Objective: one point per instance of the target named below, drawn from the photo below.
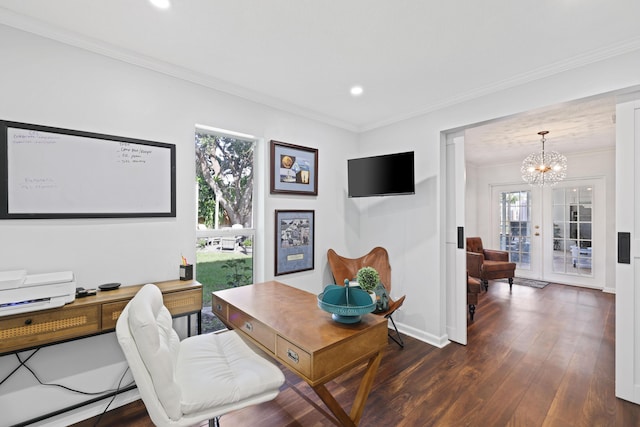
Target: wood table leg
(333, 406)
(364, 388)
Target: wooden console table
(287, 324)
(92, 315)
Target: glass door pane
(572, 226)
(515, 226)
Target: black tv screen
(389, 174)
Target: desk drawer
(294, 357)
(220, 308)
(110, 313)
(34, 329)
(255, 329)
(176, 302)
(183, 302)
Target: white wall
(48, 83)
(417, 257)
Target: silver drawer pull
(293, 355)
(248, 326)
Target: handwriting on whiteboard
(130, 154)
(34, 137)
(37, 184)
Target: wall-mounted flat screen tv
(390, 174)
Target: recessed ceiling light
(356, 90)
(161, 4)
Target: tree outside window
(224, 170)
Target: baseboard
(423, 336)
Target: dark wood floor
(535, 357)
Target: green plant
(211, 274)
(368, 278)
(238, 272)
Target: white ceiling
(411, 56)
(580, 126)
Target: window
(225, 232)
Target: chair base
(397, 339)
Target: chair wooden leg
(472, 310)
(510, 283)
(485, 284)
(398, 340)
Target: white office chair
(198, 379)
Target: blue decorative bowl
(346, 304)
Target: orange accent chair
(488, 264)
(378, 258)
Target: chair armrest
(495, 255)
(474, 264)
(473, 286)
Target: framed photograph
(294, 169)
(294, 241)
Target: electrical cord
(113, 398)
(87, 393)
(18, 367)
(119, 387)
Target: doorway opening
(492, 155)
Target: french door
(553, 233)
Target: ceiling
(411, 57)
(581, 126)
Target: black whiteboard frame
(4, 178)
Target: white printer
(21, 292)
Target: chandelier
(544, 167)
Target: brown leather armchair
(488, 264)
(378, 258)
(473, 290)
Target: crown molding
(611, 51)
(43, 29)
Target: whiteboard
(62, 173)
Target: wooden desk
(287, 324)
(91, 315)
